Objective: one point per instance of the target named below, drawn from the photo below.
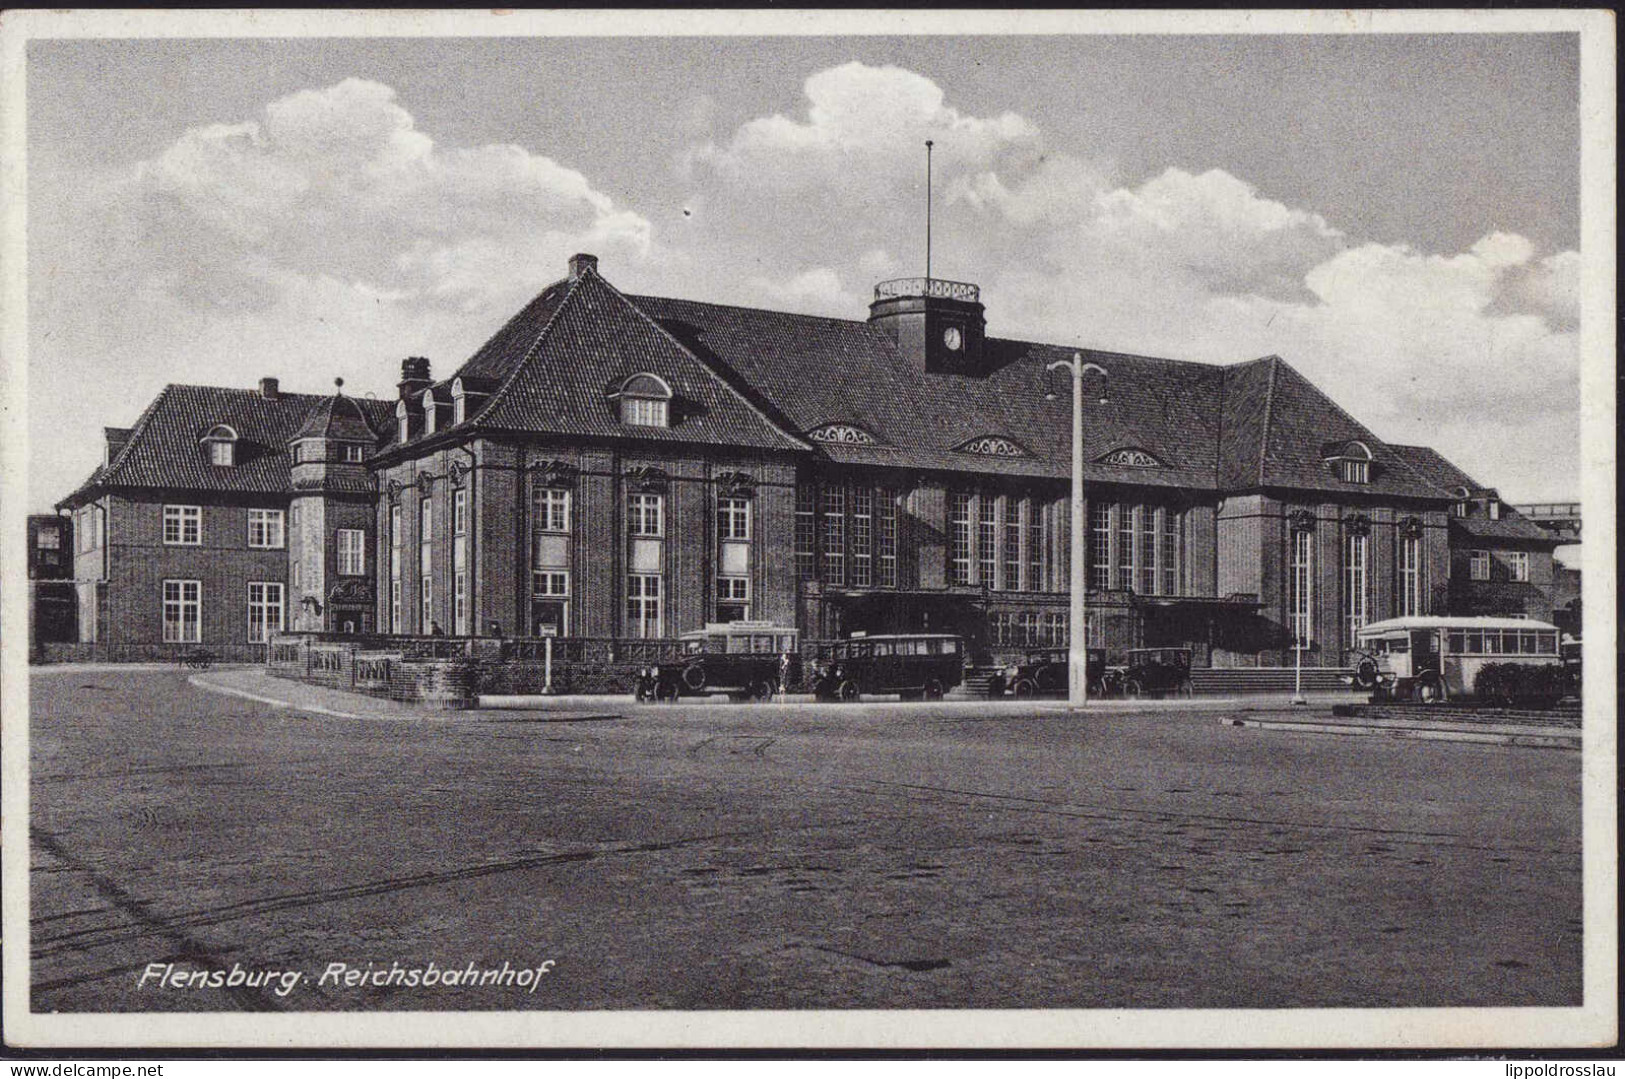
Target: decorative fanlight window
(1130, 457)
(842, 432)
(645, 401)
(221, 445)
(994, 446)
(1350, 461)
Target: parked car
(1156, 671)
(1044, 671)
(914, 665)
(746, 660)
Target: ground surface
(833, 857)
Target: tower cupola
(935, 323)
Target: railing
(934, 287)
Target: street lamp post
(1078, 646)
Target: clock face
(952, 338)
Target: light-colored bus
(1431, 658)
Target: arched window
(1351, 461)
(221, 445)
(646, 401)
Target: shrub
(1521, 683)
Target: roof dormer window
(1350, 461)
(645, 401)
(221, 444)
(1494, 507)
(428, 412)
(403, 421)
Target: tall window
(643, 605)
(1518, 565)
(459, 561)
(1145, 538)
(1356, 546)
(265, 528)
(959, 537)
(1125, 545)
(834, 534)
(1168, 551)
(806, 532)
(886, 536)
(425, 565)
(1100, 545)
(1035, 545)
(1055, 632)
(550, 509)
(352, 552)
(1410, 575)
(183, 525)
(1479, 565)
(1301, 587)
(265, 605)
(733, 518)
(863, 532)
(646, 514)
(183, 611)
(987, 540)
(1010, 564)
(396, 625)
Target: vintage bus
(746, 660)
(914, 665)
(1431, 658)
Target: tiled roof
(1511, 525)
(165, 451)
(497, 358)
(338, 416)
(594, 341)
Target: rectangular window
(550, 583)
(183, 611)
(1355, 596)
(1145, 553)
(459, 563)
(396, 625)
(1010, 565)
(459, 511)
(352, 552)
(733, 518)
(1168, 532)
(1301, 588)
(425, 565)
(49, 539)
(806, 532)
(1356, 471)
(220, 452)
(646, 514)
(1479, 565)
(1518, 565)
(1055, 629)
(643, 605)
(183, 525)
(959, 537)
(987, 540)
(265, 528)
(550, 509)
(834, 534)
(355, 453)
(265, 606)
(886, 536)
(863, 531)
(733, 599)
(1125, 545)
(1410, 575)
(644, 412)
(1100, 545)
(1035, 545)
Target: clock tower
(937, 324)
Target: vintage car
(914, 665)
(1155, 672)
(1043, 671)
(746, 660)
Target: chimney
(269, 389)
(580, 264)
(414, 377)
(116, 439)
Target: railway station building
(621, 466)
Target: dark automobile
(746, 660)
(1044, 671)
(914, 665)
(1156, 671)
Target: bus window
(1458, 641)
(1399, 644)
(692, 647)
(1546, 643)
(761, 642)
(1526, 641)
(1475, 642)
(950, 647)
(861, 650)
(933, 647)
(884, 648)
(787, 643)
(736, 644)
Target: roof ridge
(741, 307)
(136, 432)
(541, 335)
(707, 368)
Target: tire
(666, 691)
(694, 677)
(1185, 689)
(1097, 689)
(759, 691)
(847, 691)
(1025, 688)
(638, 693)
(1428, 690)
(1365, 673)
(1132, 689)
(932, 690)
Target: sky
(1397, 216)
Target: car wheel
(1132, 689)
(1428, 691)
(761, 691)
(1025, 688)
(847, 691)
(1185, 689)
(932, 690)
(666, 692)
(694, 677)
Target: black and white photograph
(1054, 530)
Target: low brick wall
(142, 652)
(433, 671)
